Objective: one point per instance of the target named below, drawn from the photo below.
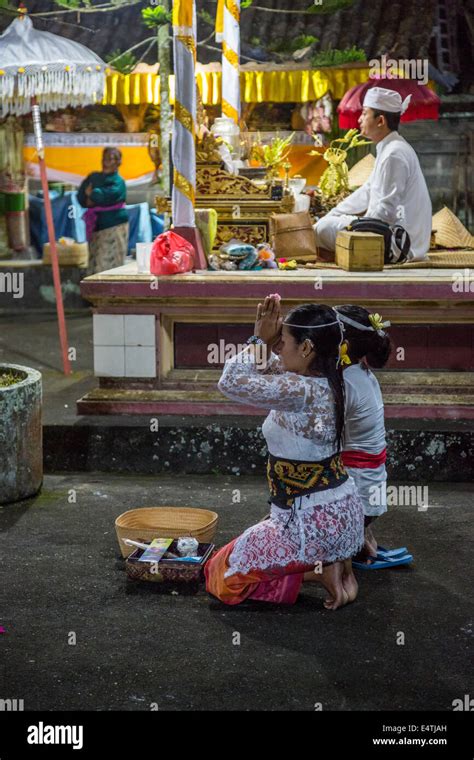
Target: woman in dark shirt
(104, 195)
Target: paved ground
(33, 341)
(62, 574)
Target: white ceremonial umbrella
(43, 71)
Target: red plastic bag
(171, 254)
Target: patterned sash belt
(289, 479)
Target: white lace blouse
(302, 421)
(300, 426)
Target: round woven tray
(148, 523)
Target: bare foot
(331, 578)
(324, 254)
(349, 582)
(332, 581)
(370, 544)
(369, 550)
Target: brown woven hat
(361, 171)
(449, 232)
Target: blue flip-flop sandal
(382, 552)
(373, 563)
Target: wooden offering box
(359, 251)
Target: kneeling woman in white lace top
(316, 523)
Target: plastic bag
(171, 254)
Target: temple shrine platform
(160, 343)
(419, 450)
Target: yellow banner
(231, 55)
(183, 13)
(230, 111)
(189, 43)
(184, 186)
(233, 9)
(220, 17)
(182, 115)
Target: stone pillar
(21, 444)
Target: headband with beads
(326, 324)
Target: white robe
(364, 430)
(395, 192)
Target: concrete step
(410, 394)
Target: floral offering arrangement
(335, 179)
(273, 155)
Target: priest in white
(396, 190)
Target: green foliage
(123, 62)
(289, 46)
(73, 4)
(156, 16)
(330, 6)
(9, 377)
(337, 57)
(206, 17)
(83, 4)
(326, 6)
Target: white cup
(143, 255)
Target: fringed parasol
(40, 70)
(424, 103)
(56, 71)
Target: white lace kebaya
(301, 425)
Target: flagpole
(184, 126)
(52, 237)
(228, 32)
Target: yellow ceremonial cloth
(277, 86)
(80, 160)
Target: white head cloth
(381, 99)
(358, 325)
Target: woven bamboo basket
(148, 523)
(73, 255)
(361, 171)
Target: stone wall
(444, 148)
